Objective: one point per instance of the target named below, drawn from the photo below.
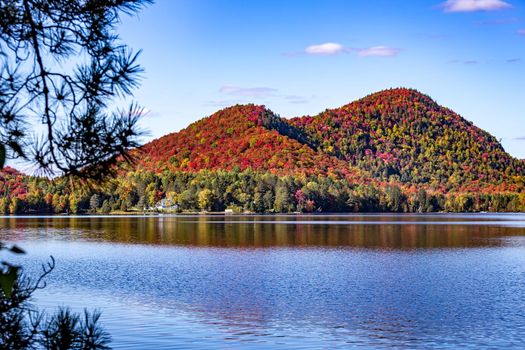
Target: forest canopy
(396, 150)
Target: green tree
(106, 207)
(73, 203)
(94, 203)
(57, 207)
(4, 205)
(205, 199)
(22, 326)
(15, 206)
(151, 194)
(83, 135)
(282, 199)
(394, 198)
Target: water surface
(254, 282)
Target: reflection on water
(283, 282)
(386, 231)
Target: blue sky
(301, 57)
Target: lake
(287, 281)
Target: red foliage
(236, 137)
(12, 183)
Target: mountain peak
(404, 135)
(400, 96)
(249, 111)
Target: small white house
(164, 204)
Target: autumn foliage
(237, 137)
(404, 136)
(395, 150)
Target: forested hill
(396, 150)
(403, 135)
(397, 135)
(242, 137)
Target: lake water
(287, 282)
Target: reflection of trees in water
(249, 232)
(383, 296)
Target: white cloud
(326, 49)
(381, 51)
(256, 92)
(332, 49)
(474, 5)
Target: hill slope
(12, 183)
(396, 135)
(242, 136)
(403, 135)
(395, 150)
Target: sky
(302, 57)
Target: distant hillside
(396, 150)
(403, 135)
(396, 135)
(242, 137)
(12, 183)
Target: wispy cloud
(474, 5)
(221, 103)
(297, 99)
(245, 94)
(379, 51)
(521, 32)
(474, 62)
(255, 92)
(333, 49)
(326, 49)
(521, 138)
(468, 62)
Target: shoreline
(226, 214)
